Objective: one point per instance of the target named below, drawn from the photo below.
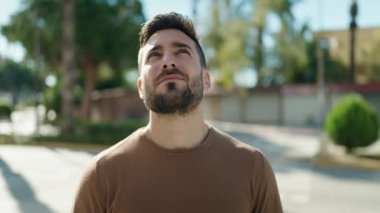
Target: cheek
(145, 81)
(190, 67)
(145, 68)
(148, 72)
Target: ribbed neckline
(205, 143)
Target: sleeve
(90, 196)
(266, 196)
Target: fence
(291, 105)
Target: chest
(180, 186)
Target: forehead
(166, 38)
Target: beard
(175, 99)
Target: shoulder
(120, 149)
(235, 148)
(233, 144)
(104, 167)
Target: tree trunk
(88, 88)
(68, 67)
(259, 54)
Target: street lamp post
(353, 26)
(321, 95)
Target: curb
(346, 161)
(334, 157)
(93, 148)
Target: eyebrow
(181, 45)
(158, 47)
(175, 44)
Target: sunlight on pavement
(24, 123)
(46, 177)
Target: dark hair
(171, 21)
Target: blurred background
(299, 79)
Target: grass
(375, 156)
(6, 139)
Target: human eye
(183, 51)
(153, 54)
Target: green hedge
(98, 133)
(110, 133)
(5, 111)
(352, 123)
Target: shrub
(109, 133)
(5, 111)
(352, 123)
(106, 133)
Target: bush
(5, 111)
(352, 123)
(109, 133)
(98, 133)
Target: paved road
(303, 186)
(43, 180)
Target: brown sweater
(220, 175)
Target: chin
(173, 86)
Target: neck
(177, 131)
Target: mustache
(172, 71)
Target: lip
(170, 77)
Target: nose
(165, 66)
(168, 61)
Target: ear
(139, 87)
(206, 80)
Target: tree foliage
(106, 32)
(238, 36)
(235, 38)
(14, 76)
(226, 46)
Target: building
(367, 51)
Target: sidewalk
(307, 185)
(43, 178)
(307, 142)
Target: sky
(319, 14)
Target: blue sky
(320, 14)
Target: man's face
(171, 77)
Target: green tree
(16, 78)
(335, 71)
(260, 15)
(291, 53)
(111, 36)
(105, 31)
(235, 35)
(226, 42)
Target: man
(177, 163)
